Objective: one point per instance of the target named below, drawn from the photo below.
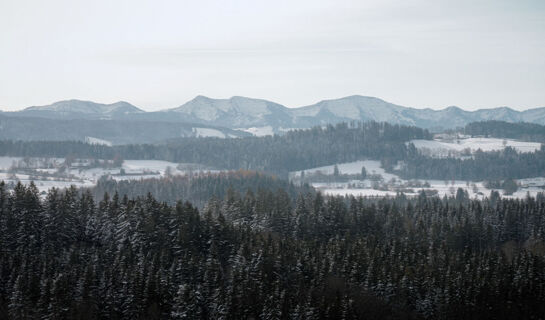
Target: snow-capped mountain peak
(240, 112)
(231, 112)
(82, 109)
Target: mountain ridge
(358, 108)
(81, 109)
(238, 112)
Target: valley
(272, 160)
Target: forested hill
(113, 131)
(504, 164)
(324, 258)
(198, 189)
(303, 149)
(501, 129)
(295, 150)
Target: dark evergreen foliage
(198, 188)
(252, 257)
(303, 149)
(505, 164)
(296, 150)
(501, 129)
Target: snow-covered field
(442, 190)
(259, 131)
(358, 192)
(87, 177)
(141, 169)
(44, 185)
(365, 187)
(208, 132)
(92, 140)
(132, 166)
(6, 162)
(371, 166)
(442, 148)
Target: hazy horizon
(147, 109)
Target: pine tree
(187, 303)
(18, 305)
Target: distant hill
(78, 109)
(236, 112)
(105, 131)
(258, 115)
(241, 112)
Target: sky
(160, 54)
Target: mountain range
(235, 115)
(241, 112)
(77, 109)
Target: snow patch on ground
(88, 177)
(358, 192)
(371, 166)
(135, 166)
(282, 129)
(208, 132)
(6, 162)
(92, 140)
(365, 187)
(259, 131)
(442, 190)
(443, 147)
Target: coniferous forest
(501, 129)
(199, 188)
(303, 149)
(504, 164)
(70, 256)
(250, 245)
(272, 160)
(279, 154)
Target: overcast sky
(159, 54)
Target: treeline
(495, 165)
(324, 258)
(303, 149)
(36, 128)
(55, 149)
(199, 188)
(501, 129)
(296, 150)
